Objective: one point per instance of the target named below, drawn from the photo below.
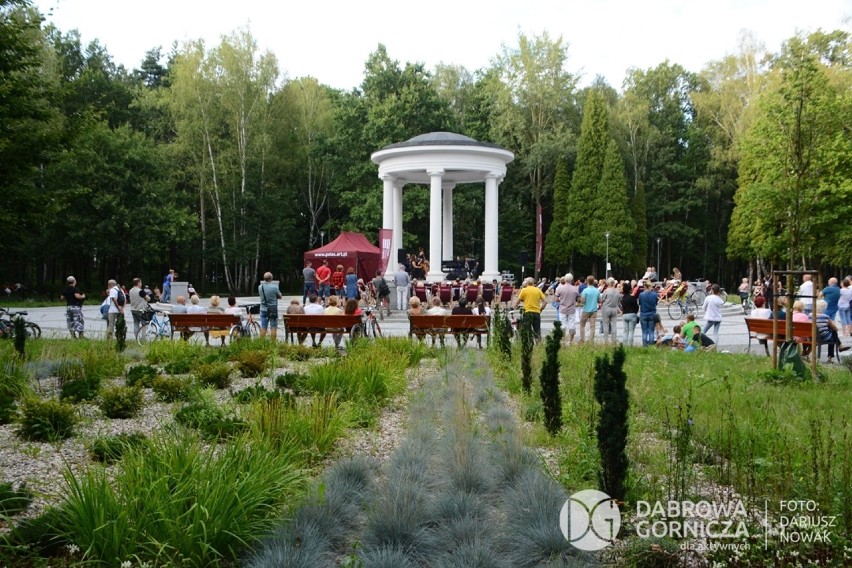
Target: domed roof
(441, 139)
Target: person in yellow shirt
(534, 301)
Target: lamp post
(659, 240)
(607, 255)
(322, 238)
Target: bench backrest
(763, 325)
(320, 321)
(450, 322)
(204, 320)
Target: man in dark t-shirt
(74, 310)
(310, 276)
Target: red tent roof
(349, 249)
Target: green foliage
(611, 393)
(120, 333)
(20, 337)
(556, 250)
(14, 501)
(171, 389)
(298, 353)
(292, 381)
(502, 332)
(253, 393)
(252, 363)
(216, 375)
(46, 420)
(121, 402)
(79, 390)
(14, 383)
(141, 375)
(80, 379)
(550, 381)
(178, 501)
(110, 449)
(527, 337)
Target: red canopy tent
(349, 249)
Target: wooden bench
(802, 331)
(188, 324)
(300, 325)
(460, 326)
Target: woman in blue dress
(350, 285)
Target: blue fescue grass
(387, 557)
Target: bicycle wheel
(142, 335)
(375, 329)
(236, 333)
(748, 307)
(724, 296)
(33, 331)
(698, 297)
(253, 330)
(676, 311)
(357, 332)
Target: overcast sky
(332, 39)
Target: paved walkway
(733, 335)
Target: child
(694, 343)
(678, 341)
(661, 334)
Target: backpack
(383, 288)
(120, 298)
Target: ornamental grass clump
(121, 402)
(48, 420)
(254, 392)
(217, 375)
(14, 384)
(178, 501)
(14, 501)
(109, 449)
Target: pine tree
(556, 249)
(120, 332)
(550, 381)
(527, 336)
(611, 393)
(610, 212)
(640, 219)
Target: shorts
(266, 321)
(568, 321)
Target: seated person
(351, 308)
(678, 341)
(414, 307)
(462, 309)
(799, 315)
(314, 308)
(333, 310)
(180, 306)
(437, 308)
(665, 338)
(195, 308)
(481, 308)
(695, 342)
(216, 308)
(295, 308)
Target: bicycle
(680, 307)
(7, 325)
(247, 328)
(159, 327)
(368, 327)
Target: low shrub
(70, 370)
(121, 402)
(251, 363)
(180, 367)
(14, 501)
(201, 411)
(253, 393)
(46, 420)
(293, 381)
(171, 389)
(109, 449)
(216, 375)
(300, 352)
(142, 375)
(78, 391)
(14, 383)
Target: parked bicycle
(7, 324)
(159, 327)
(680, 307)
(369, 326)
(247, 328)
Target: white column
(387, 202)
(396, 239)
(435, 213)
(490, 270)
(448, 220)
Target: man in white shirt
(437, 309)
(566, 295)
(806, 291)
(313, 307)
(402, 282)
(713, 312)
(114, 309)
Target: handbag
(271, 307)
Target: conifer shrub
(251, 363)
(614, 400)
(120, 333)
(121, 402)
(527, 336)
(502, 332)
(46, 420)
(20, 337)
(141, 375)
(171, 389)
(550, 381)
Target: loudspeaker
(522, 257)
(401, 257)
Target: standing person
(844, 305)
(337, 281)
(138, 304)
(743, 291)
(713, 312)
(117, 300)
(402, 282)
(831, 295)
(610, 302)
(630, 313)
(310, 286)
(534, 301)
(324, 279)
(74, 310)
(648, 313)
(382, 291)
(350, 285)
(167, 285)
(589, 298)
(269, 296)
(567, 294)
(805, 293)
